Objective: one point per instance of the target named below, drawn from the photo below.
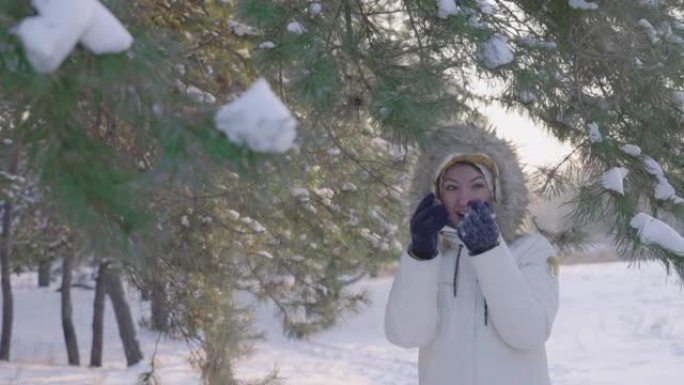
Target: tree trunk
(160, 306)
(98, 316)
(5, 250)
(123, 317)
(44, 273)
(7, 298)
(67, 310)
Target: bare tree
(67, 312)
(44, 273)
(98, 315)
(5, 251)
(124, 319)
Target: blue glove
(426, 222)
(478, 230)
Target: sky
(535, 146)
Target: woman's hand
(426, 222)
(478, 230)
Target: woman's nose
(463, 200)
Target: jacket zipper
(458, 261)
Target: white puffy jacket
(479, 320)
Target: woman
(478, 300)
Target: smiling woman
(478, 308)
(461, 183)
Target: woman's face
(460, 184)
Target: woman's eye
(478, 185)
(451, 187)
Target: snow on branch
(650, 30)
(486, 7)
(258, 120)
(613, 179)
(631, 149)
(496, 52)
(594, 133)
(653, 231)
(664, 190)
(296, 28)
(241, 29)
(315, 8)
(678, 98)
(583, 4)
(446, 8)
(49, 37)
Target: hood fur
(511, 209)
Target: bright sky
(535, 146)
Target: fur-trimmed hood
(511, 208)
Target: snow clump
(258, 120)
(583, 4)
(496, 52)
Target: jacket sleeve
(522, 298)
(411, 316)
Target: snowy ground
(616, 326)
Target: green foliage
(87, 127)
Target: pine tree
(97, 134)
(574, 67)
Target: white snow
(200, 96)
(38, 356)
(613, 179)
(349, 187)
(616, 325)
(652, 166)
(675, 39)
(446, 8)
(475, 22)
(105, 34)
(664, 190)
(259, 120)
(300, 193)
(315, 8)
(496, 52)
(241, 29)
(267, 45)
(527, 97)
(594, 133)
(582, 4)
(650, 30)
(657, 232)
(324, 192)
(296, 28)
(265, 254)
(631, 149)
(486, 6)
(49, 37)
(638, 63)
(536, 43)
(678, 98)
(257, 227)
